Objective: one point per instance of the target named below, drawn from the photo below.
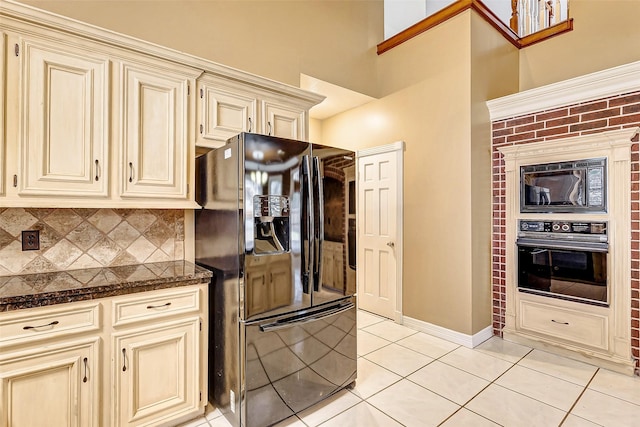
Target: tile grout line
(579, 397)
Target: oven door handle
(564, 244)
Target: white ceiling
(338, 99)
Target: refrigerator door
(276, 240)
(333, 172)
(293, 362)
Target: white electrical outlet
(232, 401)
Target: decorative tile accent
(141, 220)
(141, 249)
(13, 221)
(63, 220)
(84, 235)
(105, 220)
(63, 254)
(124, 234)
(13, 259)
(89, 238)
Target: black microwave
(574, 186)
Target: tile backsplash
(86, 238)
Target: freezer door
(293, 362)
(333, 192)
(275, 226)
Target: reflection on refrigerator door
(294, 362)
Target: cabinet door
(223, 115)
(155, 132)
(3, 43)
(283, 121)
(156, 373)
(64, 134)
(53, 386)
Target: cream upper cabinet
(3, 43)
(228, 106)
(155, 131)
(93, 118)
(286, 121)
(223, 112)
(64, 104)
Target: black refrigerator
(282, 336)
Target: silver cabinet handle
(149, 307)
(55, 322)
(124, 359)
(97, 170)
(250, 124)
(84, 380)
(130, 172)
(269, 128)
(391, 244)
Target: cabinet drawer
(570, 325)
(32, 325)
(155, 305)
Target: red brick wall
(591, 117)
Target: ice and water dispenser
(271, 224)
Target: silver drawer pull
(55, 322)
(560, 323)
(149, 307)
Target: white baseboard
(469, 341)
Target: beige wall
(605, 34)
(444, 121)
(494, 65)
(278, 39)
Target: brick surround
(595, 116)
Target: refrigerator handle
(307, 235)
(319, 187)
(287, 323)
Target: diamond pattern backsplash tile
(85, 238)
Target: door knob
(391, 244)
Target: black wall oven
(564, 259)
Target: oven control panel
(565, 228)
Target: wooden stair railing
(510, 32)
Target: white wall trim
(601, 84)
(469, 341)
(388, 148)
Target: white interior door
(379, 231)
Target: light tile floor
(408, 378)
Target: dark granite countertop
(42, 289)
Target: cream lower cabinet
(132, 360)
(157, 373)
(56, 385)
(50, 366)
(157, 353)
